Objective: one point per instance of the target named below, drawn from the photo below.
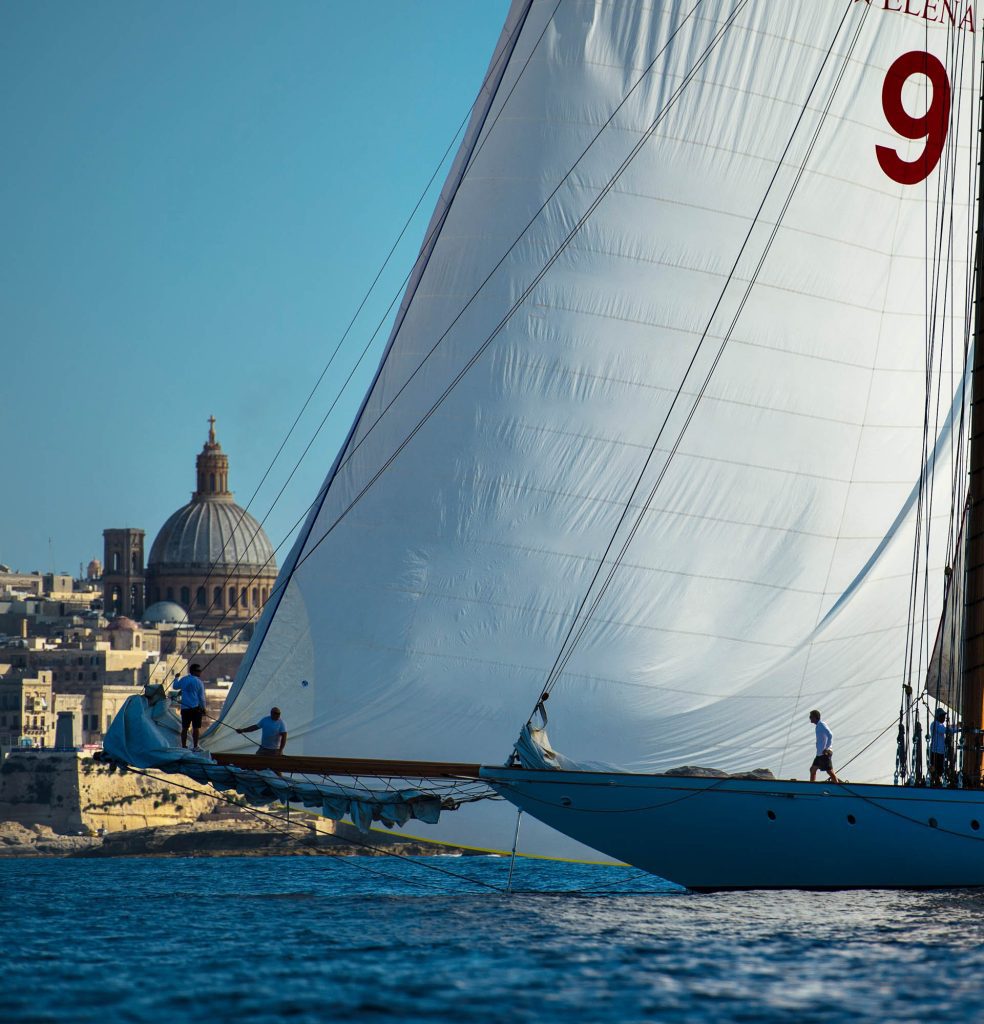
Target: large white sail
(668, 227)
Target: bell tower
(123, 572)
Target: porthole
(933, 823)
(772, 815)
(975, 824)
(565, 801)
(851, 820)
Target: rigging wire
(276, 822)
(937, 262)
(285, 579)
(504, 52)
(491, 337)
(940, 255)
(960, 469)
(270, 818)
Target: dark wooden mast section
(351, 766)
(972, 704)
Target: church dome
(211, 534)
(166, 612)
(122, 622)
(211, 559)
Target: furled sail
(681, 289)
(943, 675)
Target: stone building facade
(29, 707)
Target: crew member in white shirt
(273, 733)
(824, 760)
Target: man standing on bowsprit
(192, 692)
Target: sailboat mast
(972, 705)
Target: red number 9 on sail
(932, 126)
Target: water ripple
(148, 941)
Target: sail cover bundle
(652, 423)
(145, 734)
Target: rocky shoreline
(302, 837)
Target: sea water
(438, 939)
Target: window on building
(116, 561)
(157, 593)
(81, 676)
(211, 482)
(256, 597)
(200, 597)
(265, 595)
(169, 594)
(217, 597)
(95, 676)
(243, 598)
(232, 597)
(133, 562)
(185, 597)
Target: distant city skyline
(195, 200)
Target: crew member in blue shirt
(273, 733)
(192, 692)
(940, 749)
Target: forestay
(636, 177)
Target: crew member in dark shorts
(192, 692)
(273, 734)
(940, 749)
(824, 761)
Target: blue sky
(194, 200)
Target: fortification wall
(71, 793)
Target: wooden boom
(352, 766)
